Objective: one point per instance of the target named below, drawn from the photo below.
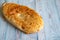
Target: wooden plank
(11, 33)
(50, 12)
(23, 36)
(3, 24)
(14, 34)
(51, 19)
(12, 1)
(39, 9)
(57, 5)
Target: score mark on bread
(23, 17)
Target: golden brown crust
(23, 17)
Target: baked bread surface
(23, 17)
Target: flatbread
(23, 17)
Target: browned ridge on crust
(22, 17)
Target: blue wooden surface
(48, 9)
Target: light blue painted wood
(50, 12)
(51, 19)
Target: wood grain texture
(50, 12)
